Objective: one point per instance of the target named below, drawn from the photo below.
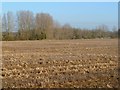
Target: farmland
(60, 63)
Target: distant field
(60, 63)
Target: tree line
(24, 25)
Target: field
(60, 63)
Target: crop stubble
(60, 63)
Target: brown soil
(60, 63)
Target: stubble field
(60, 63)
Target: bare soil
(60, 63)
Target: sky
(77, 14)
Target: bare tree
(10, 22)
(57, 30)
(8, 25)
(4, 23)
(114, 32)
(67, 32)
(25, 23)
(44, 24)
